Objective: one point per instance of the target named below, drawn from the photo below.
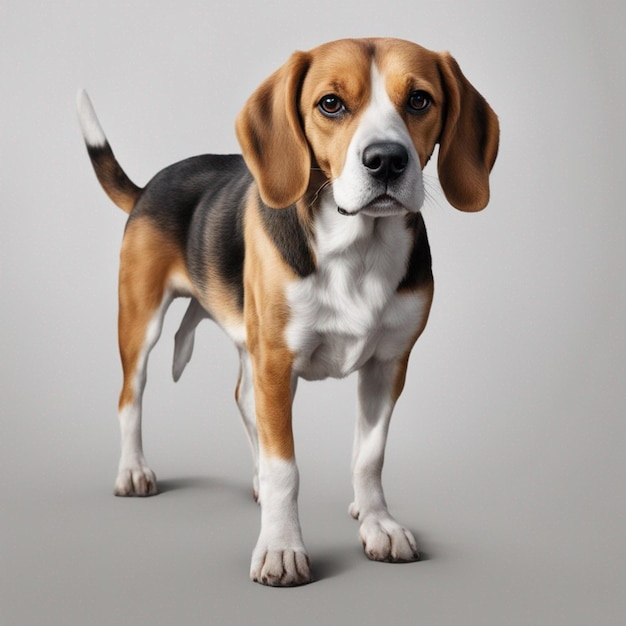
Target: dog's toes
(281, 568)
(385, 540)
(136, 481)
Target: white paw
(287, 567)
(138, 480)
(385, 540)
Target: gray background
(506, 450)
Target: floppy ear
(468, 141)
(271, 136)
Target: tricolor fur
(310, 252)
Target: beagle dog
(310, 252)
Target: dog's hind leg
(146, 266)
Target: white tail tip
(89, 124)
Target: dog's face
(372, 119)
(368, 114)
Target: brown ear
(468, 142)
(271, 136)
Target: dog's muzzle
(385, 162)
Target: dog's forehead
(397, 54)
(402, 59)
(339, 65)
(346, 65)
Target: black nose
(385, 161)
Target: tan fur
(276, 145)
(412, 67)
(266, 316)
(269, 132)
(149, 261)
(427, 292)
(220, 300)
(294, 149)
(122, 191)
(123, 199)
(469, 141)
(343, 70)
(279, 128)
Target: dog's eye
(331, 105)
(419, 101)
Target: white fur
(234, 330)
(354, 188)
(348, 316)
(349, 311)
(89, 124)
(383, 538)
(134, 475)
(279, 557)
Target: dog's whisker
(433, 194)
(321, 188)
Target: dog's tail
(112, 177)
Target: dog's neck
(359, 262)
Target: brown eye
(419, 101)
(331, 106)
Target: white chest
(348, 310)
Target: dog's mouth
(383, 205)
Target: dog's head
(368, 113)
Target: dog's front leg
(279, 558)
(380, 384)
